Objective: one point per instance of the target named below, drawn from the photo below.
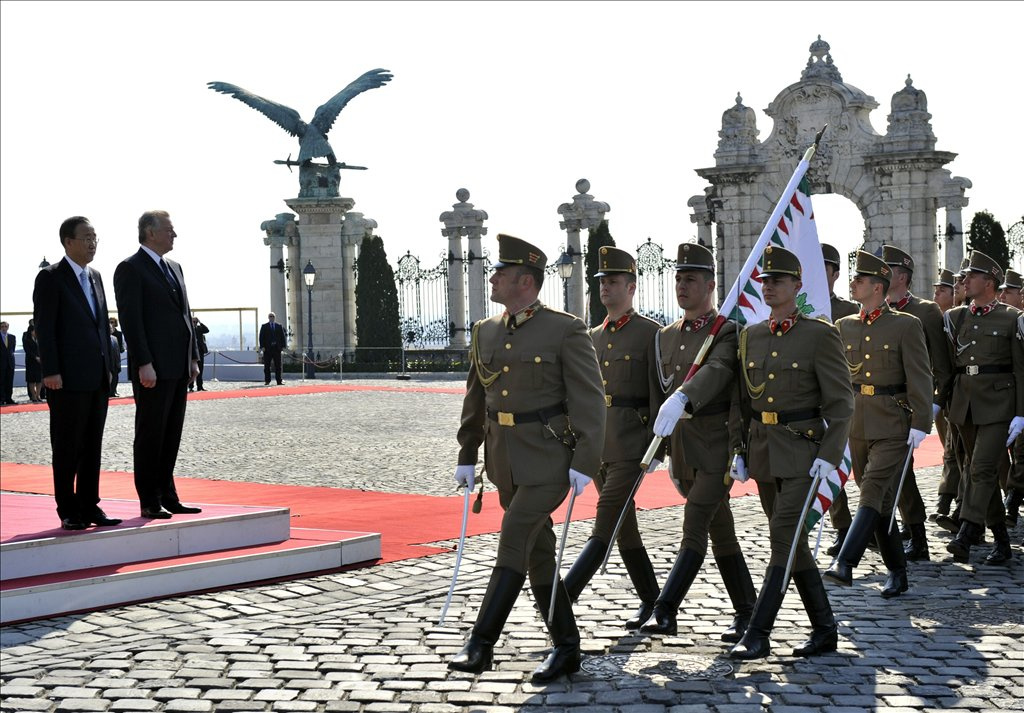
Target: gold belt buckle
(972, 370)
(867, 389)
(770, 418)
(608, 400)
(506, 419)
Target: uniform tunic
(893, 391)
(700, 446)
(797, 371)
(839, 512)
(547, 362)
(982, 405)
(625, 353)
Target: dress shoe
(72, 523)
(179, 509)
(280, 383)
(100, 518)
(200, 389)
(156, 513)
(266, 383)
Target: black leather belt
(872, 390)
(772, 418)
(713, 409)
(626, 401)
(989, 369)
(505, 418)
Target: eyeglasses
(90, 241)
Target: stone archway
(897, 181)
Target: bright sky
(106, 113)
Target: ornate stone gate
(897, 181)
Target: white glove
(578, 481)
(654, 465)
(916, 438)
(465, 475)
(820, 469)
(738, 471)
(935, 411)
(669, 414)
(1016, 427)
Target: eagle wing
(285, 117)
(327, 113)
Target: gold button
(867, 373)
(775, 353)
(536, 359)
(810, 431)
(687, 329)
(867, 339)
(612, 329)
(606, 363)
(604, 382)
(610, 345)
(504, 392)
(750, 364)
(504, 369)
(779, 333)
(508, 346)
(849, 347)
(885, 346)
(771, 399)
(771, 376)
(795, 365)
(627, 357)
(682, 346)
(867, 356)
(972, 358)
(679, 368)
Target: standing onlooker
(113, 363)
(33, 371)
(7, 345)
(71, 322)
(201, 331)
(163, 360)
(120, 350)
(271, 343)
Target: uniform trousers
(839, 512)
(527, 542)
(706, 512)
(782, 500)
(952, 455)
(77, 419)
(985, 444)
(159, 418)
(614, 483)
(877, 466)
(911, 503)
(1016, 478)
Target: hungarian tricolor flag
(792, 227)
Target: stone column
(954, 233)
(354, 230)
(583, 213)
(320, 241)
(461, 220)
(280, 231)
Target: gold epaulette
(754, 391)
(485, 376)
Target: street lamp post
(309, 276)
(565, 265)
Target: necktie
(168, 275)
(83, 279)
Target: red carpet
(259, 391)
(405, 522)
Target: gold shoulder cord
(666, 382)
(485, 376)
(854, 368)
(754, 391)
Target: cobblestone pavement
(368, 639)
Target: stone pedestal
(464, 220)
(320, 241)
(280, 232)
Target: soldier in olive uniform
(697, 417)
(796, 385)
(911, 503)
(534, 400)
(892, 411)
(839, 512)
(944, 297)
(1010, 293)
(625, 352)
(986, 403)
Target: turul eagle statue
(312, 136)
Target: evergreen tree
(598, 236)
(986, 235)
(377, 323)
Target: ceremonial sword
(458, 556)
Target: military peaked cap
(868, 264)
(980, 262)
(894, 256)
(611, 261)
(694, 256)
(945, 278)
(779, 261)
(830, 254)
(1013, 280)
(515, 251)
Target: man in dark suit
(7, 343)
(163, 359)
(272, 342)
(74, 346)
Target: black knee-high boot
(755, 643)
(502, 592)
(890, 546)
(565, 654)
(861, 531)
(641, 572)
(587, 563)
(740, 586)
(824, 633)
(684, 571)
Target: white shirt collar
(76, 267)
(157, 258)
